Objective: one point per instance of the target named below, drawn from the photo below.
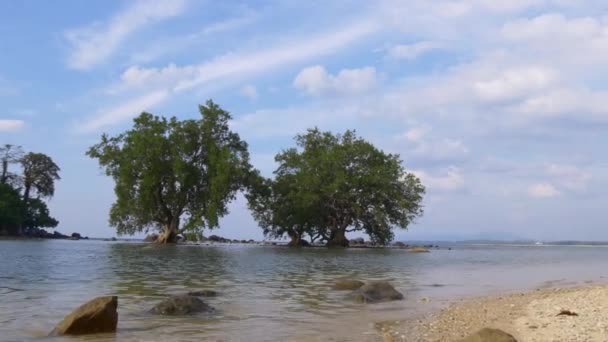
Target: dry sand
(531, 316)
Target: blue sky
(497, 106)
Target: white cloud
(122, 112)
(9, 125)
(412, 51)
(250, 92)
(415, 134)
(515, 82)
(569, 177)
(451, 180)
(543, 190)
(240, 65)
(175, 79)
(315, 80)
(94, 44)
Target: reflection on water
(266, 293)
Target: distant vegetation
(177, 177)
(26, 180)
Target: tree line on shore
(177, 177)
(23, 191)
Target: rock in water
(181, 305)
(96, 316)
(347, 284)
(490, 335)
(378, 291)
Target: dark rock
(347, 284)
(151, 238)
(489, 335)
(203, 293)
(113, 239)
(251, 241)
(181, 305)
(96, 316)
(399, 244)
(76, 236)
(378, 291)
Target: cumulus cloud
(542, 190)
(10, 125)
(450, 180)
(316, 81)
(93, 44)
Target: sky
(496, 105)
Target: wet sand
(529, 316)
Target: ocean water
(266, 293)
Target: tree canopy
(19, 212)
(331, 184)
(167, 171)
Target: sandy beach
(561, 314)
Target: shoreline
(543, 314)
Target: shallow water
(266, 293)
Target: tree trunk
(338, 238)
(296, 240)
(169, 235)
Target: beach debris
(377, 291)
(96, 316)
(489, 335)
(565, 312)
(347, 284)
(181, 305)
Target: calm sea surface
(266, 293)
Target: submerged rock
(378, 291)
(96, 316)
(347, 284)
(489, 335)
(181, 305)
(203, 293)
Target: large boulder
(96, 316)
(377, 291)
(76, 236)
(181, 305)
(399, 244)
(489, 335)
(347, 284)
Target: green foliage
(20, 213)
(12, 208)
(39, 175)
(167, 170)
(333, 184)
